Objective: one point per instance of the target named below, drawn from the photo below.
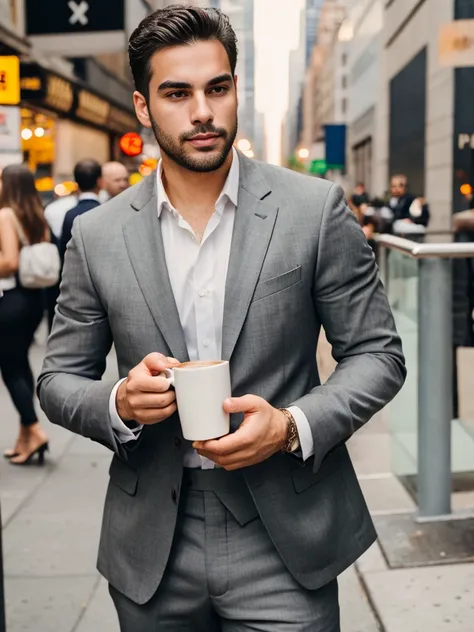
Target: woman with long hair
(21, 309)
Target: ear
(141, 109)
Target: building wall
(76, 142)
(364, 69)
(409, 27)
(240, 13)
(312, 13)
(319, 93)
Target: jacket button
(177, 442)
(174, 495)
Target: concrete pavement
(52, 515)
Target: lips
(203, 140)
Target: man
(88, 176)
(411, 214)
(55, 212)
(360, 195)
(219, 257)
(114, 180)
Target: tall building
(364, 68)
(290, 129)
(241, 15)
(425, 126)
(319, 99)
(312, 12)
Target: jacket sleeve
(353, 309)
(70, 387)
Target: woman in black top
(21, 309)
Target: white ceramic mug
(201, 388)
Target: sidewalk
(52, 519)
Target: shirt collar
(229, 192)
(88, 196)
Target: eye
(219, 90)
(177, 95)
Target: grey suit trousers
(223, 576)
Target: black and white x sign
(73, 16)
(78, 12)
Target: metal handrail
(452, 250)
(435, 359)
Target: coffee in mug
(201, 388)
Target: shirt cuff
(304, 432)
(124, 434)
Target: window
(344, 59)
(344, 81)
(344, 106)
(362, 158)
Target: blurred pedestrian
(21, 309)
(219, 257)
(88, 175)
(55, 212)
(410, 214)
(359, 198)
(115, 180)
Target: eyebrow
(180, 85)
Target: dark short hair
(176, 25)
(87, 174)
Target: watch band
(292, 442)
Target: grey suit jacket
(298, 261)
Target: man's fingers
(229, 444)
(245, 404)
(155, 415)
(156, 363)
(148, 400)
(148, 384)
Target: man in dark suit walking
(88, 175)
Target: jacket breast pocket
(123, 476)
(277, 283)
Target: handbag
(40, 264)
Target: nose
(201, 113)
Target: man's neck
(193, 192)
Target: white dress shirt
(198, 272)
(55, 212)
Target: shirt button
(202, 293)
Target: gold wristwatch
(292, 442)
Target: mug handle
(169, 375)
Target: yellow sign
(456, 44)
(9, 80)
(31, 83)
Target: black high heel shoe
(39, 451)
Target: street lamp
(244, 145)
(303, 153)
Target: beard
(175, 149)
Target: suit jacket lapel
(146, 252)
(253, 227)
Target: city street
(52, 515)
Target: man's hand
(145, 396)
(262, 433)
